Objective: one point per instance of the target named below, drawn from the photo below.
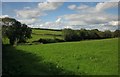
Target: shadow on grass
(17, 62)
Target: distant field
(37, 34)
(95, 57)
(45, 34)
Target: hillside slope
(93, 57)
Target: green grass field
(94, 57)
(45, 34)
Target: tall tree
(15, 31)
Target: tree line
(83, 34)
(17, 32)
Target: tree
(107, 34)
(116, 33)
(15, 31)
(95, 34)
(83, 34)
(67, 34)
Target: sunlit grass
(98, 57)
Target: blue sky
(60, 15)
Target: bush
(60, 40)
(45, 41)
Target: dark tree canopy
(117, 33)
(15, 31)
(83, 34)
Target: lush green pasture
(94, 57)
(45, 34)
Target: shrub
(45, 41)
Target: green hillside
(45, 34)
(94, 57)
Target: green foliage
(83, 34)
(107, 34)
(46, 41)
(15, 31)
(70, 35)
(116, 33)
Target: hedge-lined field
(40, 34)
(93, 57)
(45, 34)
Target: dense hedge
(45, 41)
(83, 34)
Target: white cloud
(3, 16)
(89, 19)
(89, 15)
(61, 25)
(100, 7)
(58, 20)
(28, 12)
(58, 24)
(46, 6)
(28, 21)
(106, 5)
(114, 23)
(81, 7)
(31, 15)
(72, 7)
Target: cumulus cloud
(58, 24)
(88, 15)
(31, 15)
(100, 7)
(28, 21)
(46, 6)
(106, 5)
(81, 7)
(88, 19)
(38, 11)
(114, 23)
(72, 7)
(92, 17)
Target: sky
(60, 15)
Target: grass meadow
(93, 57)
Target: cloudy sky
(59, 15)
